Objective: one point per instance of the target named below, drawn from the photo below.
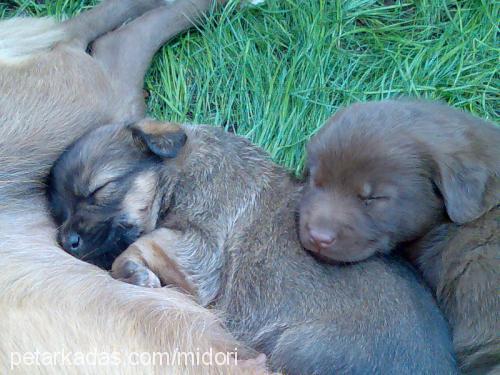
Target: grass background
(275, 72)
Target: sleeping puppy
(215, 217)
(423, 177)
(105, 209)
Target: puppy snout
(322, 237)
(71, 242)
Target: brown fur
(52, 93)
(462, 263)
(383, 175)
(150, 250)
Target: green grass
(275, 72)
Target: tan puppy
(51, 303)
(424, 177)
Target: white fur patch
(21, 38)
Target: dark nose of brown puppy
(71, 242)
(322, 237)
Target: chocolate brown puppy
(420, 176)
(216, 217)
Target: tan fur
(50, 301)
(22, 38)
(155, 127)
(139, 201)
(151, 251)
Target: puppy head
(385, 173)
(367, 191)
(106, 189)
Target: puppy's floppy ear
(164, 139)
(470, 186)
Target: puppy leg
(147, 261)
(186, 258)
(133, 272)
(106, 16)
(126, 53)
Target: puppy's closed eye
(367, 201)
(382, 192)
(100, 189)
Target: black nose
(73, 241)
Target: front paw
(134, 273)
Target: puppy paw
(136, 274)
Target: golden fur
(52, 92)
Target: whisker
(90, 253)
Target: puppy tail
(22, 37)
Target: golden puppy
(53, 304)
